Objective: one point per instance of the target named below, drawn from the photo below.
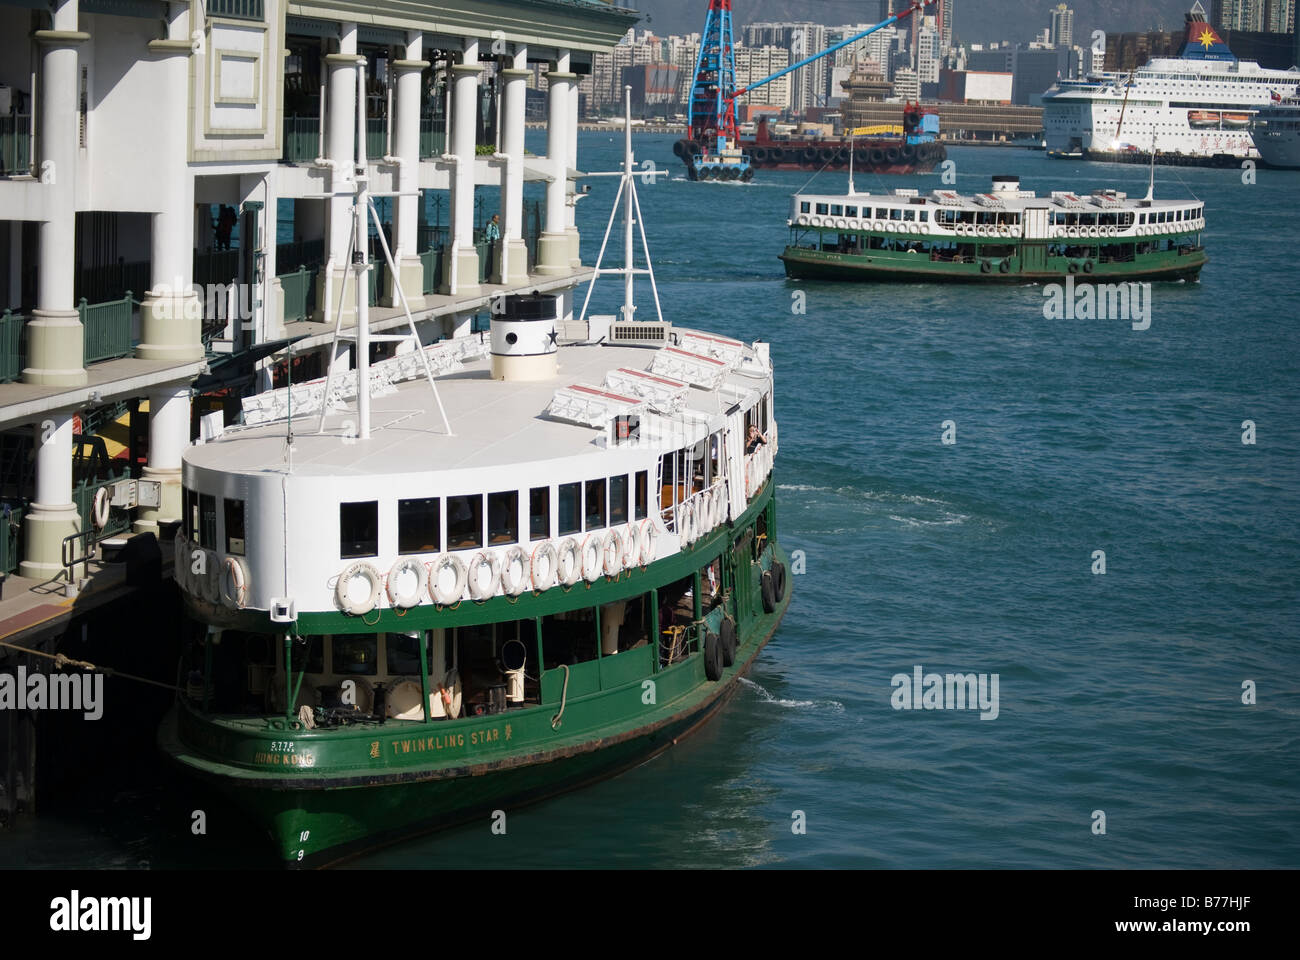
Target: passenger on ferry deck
(755, 440)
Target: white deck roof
(495, 423)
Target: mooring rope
(564, 696)
(61, 661)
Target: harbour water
(1118, 692)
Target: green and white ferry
(1007, 235)
(519, 564)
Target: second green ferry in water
(1008, 235)
(544, 565)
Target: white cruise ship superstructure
(1195, 108)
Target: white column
(169, 435)
(340, 151)
(52, 516)
(171, 315)
(461, 277)
(553, 257)
(54, 335)
(406, 147)
(571, 206)
(512, 268)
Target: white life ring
(1112, 230)
(447, 593)
(543, 566)
(841, 223)
(803, 220)
(515, 570)
(359, 603)
(100, 508)
(592, 557)
(234, 581)
(611, 550)
(649, 536)
(686, 522)
(816, 221)
(405, 581)
(1094, 231)
(1004, 230)
(631, 546)
(568, 564)
(892, 227)
(483, 575)
(924, 228)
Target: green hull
(802, 263)
(323, 795)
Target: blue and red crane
(712, 149)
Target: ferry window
(207, 521)
(837, 210)
(503, 517)
(359, 529)
(464, 522)
(1142, 218)
(403, 654)
(882, 213)
(235, 527)
(570, 508)
(850, 211)
(418, 523)
(356, 654)
(539, 513)
(191, 517)
(642, 495)
(595, 513)
(925, 216)
(909, 215)
(895, 214)
(805, 207)
(822, 208)
(617, 500)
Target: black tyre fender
(768, 590)
(712, 656)
(877, 157)
(893, 155)
(727, 636)
(776, 154)
(985, 266)
(679, 148)
(908, 154)
(1087, 266)
(1074, 266)
(1004, 266)
(778, 580)
(748, 175)
(810, 154)
(760, 154)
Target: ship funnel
(1008, 183)
(524, 330)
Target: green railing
(484, 248)
(83, 495)
(376, 137)
(106, 330)
(298, 293)
(433, 137)
(301, 139)
(216, 266)
(11, 347)
(15, 144)
(238, 9)
(431, 260)
(11, 528)
(296, 254)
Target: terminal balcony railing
(15, 144)
(106, 329)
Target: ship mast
(631, 217)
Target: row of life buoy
(879, 226)
(198, 571)
(450, 577)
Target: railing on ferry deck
(759, 464)
(671, 514)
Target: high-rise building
(1236, 14)
(809, 84)
(1062, 34)
(927, 54)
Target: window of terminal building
(419, 524)
(234, 510)
(539, 513)
(465, 522)
(595, 504)
(569, 508)
(359, 529)
(503, 516)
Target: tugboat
(520, 563)
(1008, 235)
(910, 147)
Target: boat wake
(833, 705)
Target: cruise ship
(1277, 134)
(1193, 109)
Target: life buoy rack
(480, 565)
(593, 557)
(362, 569)
(568, 562)
(234, 574)
(515, 571)
(543, 565)
(611, 551)
(446, 594)
(399, 571)
(100, 508)
(924, 228)
(649, 537)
